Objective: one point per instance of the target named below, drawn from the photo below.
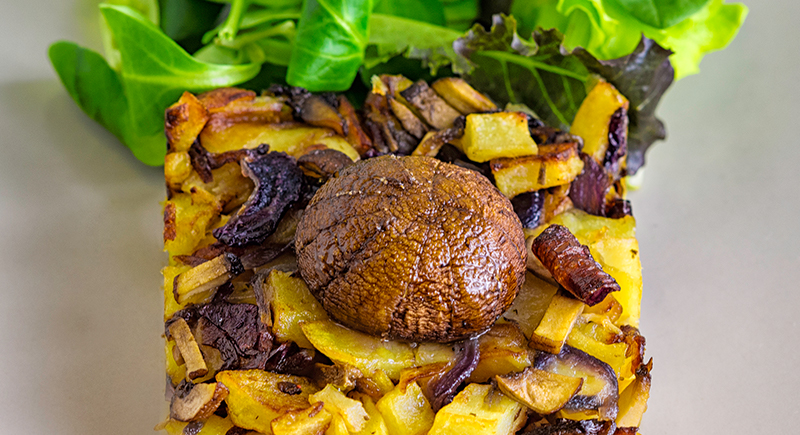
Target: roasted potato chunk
(558, 320)
(292, 304)
(594, 114)
(479, 409)
(406, 411)
(365, 352)
(257, 397)
(490, 136)
(555, 165)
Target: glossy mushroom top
(412, 248)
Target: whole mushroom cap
(411, 248)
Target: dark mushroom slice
(432, 143)
(443, 389)
(433, 108)
(529, 206)
(323, 164)
(200, 281)
(613, 160)
(589, 189)
(318, 112)
(574, 427)
(388, 134)
(189, 350)
(193, 402)
(572, 265)
(356, 135)
(341, 375)
(278, 183)
(415, 126)
(600, 388)
(541, 391)
(234, 330)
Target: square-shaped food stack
(426, 264)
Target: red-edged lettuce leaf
(552, 81)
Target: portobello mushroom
(412, 248)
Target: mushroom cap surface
(412, 248)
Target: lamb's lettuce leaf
(329, 46)
(153, 74)
(609, 29)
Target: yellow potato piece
(256, 397)
(555, 165)
(292, 304)
(309, 421)
(479, 410)
(336, 403)
(558, 320)
(594, 114)
(362, 351)
(490, 136)
(292, 139)
(406, 411)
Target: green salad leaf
(610, 29)
(416, 10)
(429, 43)
(93, 85)
(552, 81)
(329, 46)
(154, 72)
(662, 13)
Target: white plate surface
(718, 223)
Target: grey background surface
(80, 239)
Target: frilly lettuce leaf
(608, 29)
(553, 81)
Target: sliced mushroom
(355, 133)
(190, 351)
(323, 163)
(572, 265)
(600, 390)
(433, 108)
(410, 121)
(341, 375)
(198, 282)
(278, 183)
(541, 391)
(316, 111)
(433, 141)
(196, 402)
(388, 134)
